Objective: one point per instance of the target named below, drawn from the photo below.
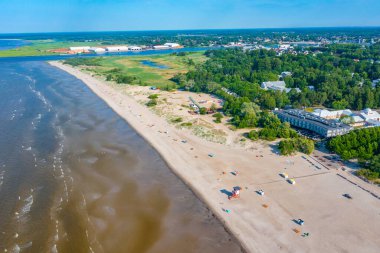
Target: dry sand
(261, 223)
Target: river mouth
(75, 177)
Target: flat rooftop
(330, 124)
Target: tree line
(337, 80)
(363, 144)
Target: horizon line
(190, 29)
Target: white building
(286, 73)
(161, 47)
(354, 120)
(275, 85)
(172, 45)
(284, 47)
(326, 114)
(134, 48)
(278, 85)
(117, 49)
(97, 50)
(305, 120)
(375, 83)
(79, 48)
(230, 92)
(374, 123)
(357, 121)
(368, 114)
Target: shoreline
(259, 223)
(98, 92)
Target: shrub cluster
(290, 146)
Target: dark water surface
(6, 44)
(153, 64)
(74, 177)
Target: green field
(42, 47)
(131, 66)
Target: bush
(177, 120)
(269, 134)
(114, 71)
(218, 117)
(80, 61)
(202, 110)
(305, 146)
(374, 163)
(290, 146)
(153, 96)
(169, 87)
(120, 78)
(253, 135)
(152, 102)
(109, 77)
(369, 174)
(187, 124)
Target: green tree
(151, 102)
(218, 117)
(202, 110)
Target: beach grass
(146, 75)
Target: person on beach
(235, 194)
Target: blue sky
(112, 15)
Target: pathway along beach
(74, 177)
(261, 223)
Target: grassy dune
(146, 75)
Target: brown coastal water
(74, 177)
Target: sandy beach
(261, 223)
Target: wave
(36, 121)
(28, 205)
(54, 249)
(38, 93)
(2, 177)
(16, 249)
